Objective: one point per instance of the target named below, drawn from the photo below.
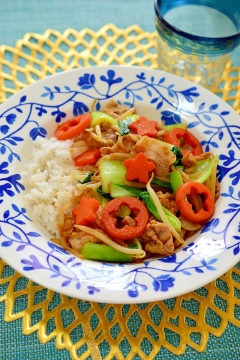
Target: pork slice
(157, 239)
(158, 153)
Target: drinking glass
(195, 38)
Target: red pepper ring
(173, 137)
(127, 232)
(73, 127)
(186, 208)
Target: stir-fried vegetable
(102, 252)
(175, 180)
(73, 127)
(99, 117)
(141, 185)
(143, 127)
(203, 169)
(85, 212)
(117, 191)
(191, 143)
(90, 156)
(177, 151)
(139, 168)
(127, 232)
(163, 184)
(171, 127)
(124, 124)
(185, 194)
(111, 171)
(87, 178)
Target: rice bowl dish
(75, 177)
(29, 120)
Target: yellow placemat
(88, 329)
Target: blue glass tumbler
(196, 38)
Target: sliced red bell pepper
(90, 156)
(190, 141)
(186, 208)
(73, 127)
(85, 211)
(143, 126)
(127, 232)
(139, 168)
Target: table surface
(20, 17)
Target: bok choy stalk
(99, 117)
(203, 169)
(175, 180)
(174, 126)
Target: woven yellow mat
(82, 327)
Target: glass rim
(189, 35)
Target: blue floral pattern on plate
(36, 110)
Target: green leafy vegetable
(150, 204)
(106, 195)
(177, 152)
(161, 183)
(123, 126)
(87, 178)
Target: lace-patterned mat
(93, 330)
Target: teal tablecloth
(18, 17)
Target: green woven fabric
(17, 17)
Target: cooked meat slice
(189, 160)
(79, 238)
(105, 150)
(168, 201)
(204, 156)
(128, 220)
(157, 238)
(157, 152)
(114, 109)
(74, 237)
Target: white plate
(35, 110)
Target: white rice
(48, 182)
